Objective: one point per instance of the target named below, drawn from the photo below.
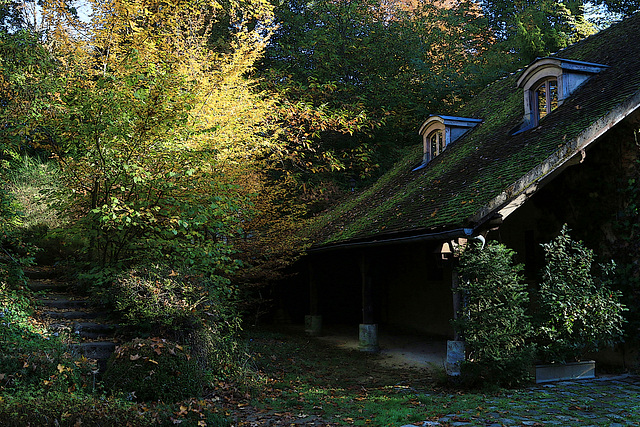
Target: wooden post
(456, 300)
(313, 321)
(367, 291)
(368, 329)
(313, 291)
(455, 347)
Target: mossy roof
(489, 167)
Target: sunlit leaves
(144, 113)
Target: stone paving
(610, 402)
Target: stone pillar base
(369, 338)
(455, 357)
(313, 325)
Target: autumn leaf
(134, 357)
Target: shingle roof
(488, 167)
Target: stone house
(554, 143)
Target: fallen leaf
(134, 357)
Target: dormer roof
(544, 66)
(452, 121)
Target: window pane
(435, 143)
(553, 94)
(541, 97)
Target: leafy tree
(625, 7)
(526, 29)
(356, 79)
(146, 119)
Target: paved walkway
(611, 402)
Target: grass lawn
(308, 381)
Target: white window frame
(536, 114)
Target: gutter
(441, 235)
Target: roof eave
(443, 235)
(521, 190)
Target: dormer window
(547, 82)
(545, 99)
(439, 131)
(436, 143)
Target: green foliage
(158, 298)
(355, 80)
(493, 321)
(624, 7)
(191, 308)
(32, 359)
(35, 185)
(145, 125)
(35, 407)
(627, 228)
(172, 298)
(578, 312)
(528, 29)
(153, 369)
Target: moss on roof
(488, 160)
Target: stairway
(65, 311)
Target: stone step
(64, 302)
(100, 350)
(47, 285)
(90, 330)
(71, 315)
(94, 330)
(42, 272)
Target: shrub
(154, 298)
(153, 369)
(35, 184)
(39, 408)
(493, 319)
(578, 311)
(187, 308)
